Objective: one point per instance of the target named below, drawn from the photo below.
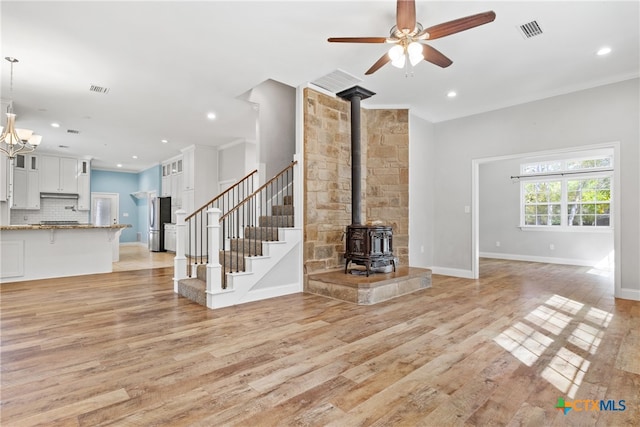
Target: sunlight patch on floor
(605, 267)
(526, 340)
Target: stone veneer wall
(387, 185)
(327, 180)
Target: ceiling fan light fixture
(398, 59)
(414, 50)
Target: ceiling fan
(407, 36)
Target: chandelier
(15, 141)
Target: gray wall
(594, 116)
(276, 125)
(421, 190)
(500, 220)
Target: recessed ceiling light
(452, 94)
(119, 165)
(604, 51)
(134, 157)
(164, 141)
(55, 125)
(211, 116)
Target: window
(573, 193)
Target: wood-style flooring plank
(122, 349)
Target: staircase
(256, 260)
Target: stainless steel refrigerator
(159, 214)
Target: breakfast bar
(30, 252)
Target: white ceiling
(168, 63)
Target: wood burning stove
(370, 246)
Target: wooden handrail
(246, 177)
(249, 197)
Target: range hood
(59, 196)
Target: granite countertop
(60, 227)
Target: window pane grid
(589, 202)
(542, 203)
(568, 202)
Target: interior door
(104, 208)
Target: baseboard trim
(547, 260)
(630, 294)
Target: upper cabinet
(26, 182)
(172, 180)
(58, 175)
(84, 185)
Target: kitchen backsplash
(51, 210)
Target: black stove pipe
(355, 95)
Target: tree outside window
(567, 193)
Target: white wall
(595, 116)
(421, 191)
(236, 160)
(276, 124)
(500, 220)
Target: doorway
(104, 208)
(475, 200)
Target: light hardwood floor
(122, 349)
(139, 257)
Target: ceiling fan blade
(357, 39)
(384, 59)
(406, 15)
(457, 25)
(434, 56)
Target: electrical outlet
(552, 246)
(497, 244)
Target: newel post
(180, 261)
(214, 269)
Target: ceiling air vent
(99, 89)
(530, 29)
(73, 131)
(336, 81)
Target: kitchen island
(30, 252)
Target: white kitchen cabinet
(84, 185)
(4, 179)
(176, 190)
(199, 176)
(26, 182)
(165, 189)
(172, 181)
(170, 237)
(58, 175)
(188, 162)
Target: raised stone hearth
(364, 290)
